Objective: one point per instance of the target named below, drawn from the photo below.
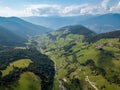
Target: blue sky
(16, 3)
(26, 8)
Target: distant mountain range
(21, 27)
(56, 22)
(103, 23)
(15, 30)
(97, 23)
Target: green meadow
(22, 63)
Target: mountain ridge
(98, 23)
(21, 27)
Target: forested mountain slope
(112, 34)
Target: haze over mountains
(56, 22)
(20, 27)
(98, 23)
(8, 38)
(16, 27)
(103, 23)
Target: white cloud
(59, 10)
(115, 8)
(105, 4)
(6, 11)
(73, 10)
(43, 10)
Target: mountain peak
(77, 29)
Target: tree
(74, 58)
(0, 74)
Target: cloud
(115, 8)
(43, 10)
(73, 10)
(59, 10)
(104, 4)
(6, 11)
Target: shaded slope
(21, 27)
(8, 38)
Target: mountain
(21, 27)
(65, 31)
(76, 29)
(56, 21)
(103, 23)
(98, 23)
(81, 65)
(8, 38)
(61, 59)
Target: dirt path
(61, 86)
(91, 83)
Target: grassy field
(28, 81)
(67, 69)
(22, 63)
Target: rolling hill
(21, 27)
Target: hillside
(25, 69)
(8, 38)
(21, 27)
(81, 65)
(62, 33)
(112, 34)
(77, 29)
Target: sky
(63, 8)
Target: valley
(59, 44)
(70, 58)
